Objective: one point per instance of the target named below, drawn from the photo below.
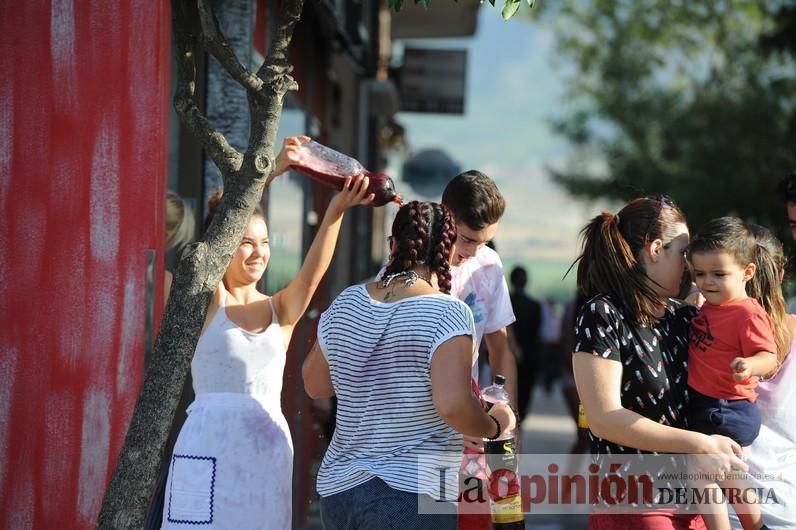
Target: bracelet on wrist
(516, 417)
(499, 429)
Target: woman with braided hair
(398, 354)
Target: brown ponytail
(611, 247)
(766, 285)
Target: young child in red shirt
(731, 344)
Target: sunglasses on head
(660, 201)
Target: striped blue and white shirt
(379, 356)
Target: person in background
(398, 353)
(568, 388)
(180, 228)
(526, 333)
(772, 456)
(787, 190)
(551, 343)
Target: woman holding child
(630, 359)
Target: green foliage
(677, 97)
(397, 5)
(510, 7)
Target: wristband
(499, 429)
(516, 416)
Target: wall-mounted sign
(433, 81)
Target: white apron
(232, 466)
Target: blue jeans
(738, 419)
(375, 505)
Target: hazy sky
(512, 92)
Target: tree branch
(224, 155)
(198, 274)
(218, 46)
(266, 108)
(276, 67)
(280, 39)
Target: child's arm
(760, 364)
(756, 346)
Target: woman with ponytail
(398, 354)
(631, 346)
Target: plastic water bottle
(505, 503)
(331, 168)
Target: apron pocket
(190, 498)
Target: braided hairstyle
(423, 233)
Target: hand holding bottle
(287, 156)
(505, 416)
(354, 193)
(505, 503)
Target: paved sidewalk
(548, 429)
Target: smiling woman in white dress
(232, 466)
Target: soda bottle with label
(330, 168)
(503, 484)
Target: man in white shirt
(477, 272)
(477, 279)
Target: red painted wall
(84, 94)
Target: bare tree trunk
(203, 264)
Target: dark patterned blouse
(654, 360)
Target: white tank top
(230, 359)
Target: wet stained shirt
(653, 358)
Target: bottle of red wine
(330, 168)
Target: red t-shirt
(718, 335)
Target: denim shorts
(738, 419)
(375, 505)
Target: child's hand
(695, 297)
(287, 156)
(354, 193)
(741, 370)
